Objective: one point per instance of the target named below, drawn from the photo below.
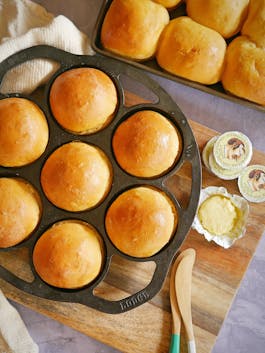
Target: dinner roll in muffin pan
(82, 178)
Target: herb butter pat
(221, 217)
(218, 215)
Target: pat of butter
(221, 217)
(218, 215)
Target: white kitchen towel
(14, 336)
(23, 24)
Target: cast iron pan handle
(134, 300)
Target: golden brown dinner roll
(244, 73)
(83, 100)
(146, 144)
(191, 50)
(141, 221)
(224, 16)
(169, 4)
(254, 26)
(69, 254)
(76, 176)
(24, 132)
(20, 211)
(132, 28)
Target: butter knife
(183, 281)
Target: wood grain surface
(216, 277)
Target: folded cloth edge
(13, 329)
(19, 16)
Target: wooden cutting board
(216, 277)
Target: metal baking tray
(121, 180)
(152, 66)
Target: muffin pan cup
(121, 180)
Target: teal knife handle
(175, 343)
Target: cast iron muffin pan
(121, 180)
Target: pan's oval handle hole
(180, 184)
(125, 278)
(136, 92)
(17, 261)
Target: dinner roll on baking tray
(141, 221)
(191, 50)
(69, 254)
(20, 211)
(146, 144)
(83, 100)
(244, 73)
(254, 26)
(224, 16)
(132, 28)
(24, 132)
(76, 176)
(169, 4)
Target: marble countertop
(244, 328)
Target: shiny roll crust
(83, 100)
(132, 28)
(244, 73)
(224, 16)
(24, 132)
(141, 221)
(146, 144)
(20, 211)
(76, 176)
(191, 50)
(68, 255)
